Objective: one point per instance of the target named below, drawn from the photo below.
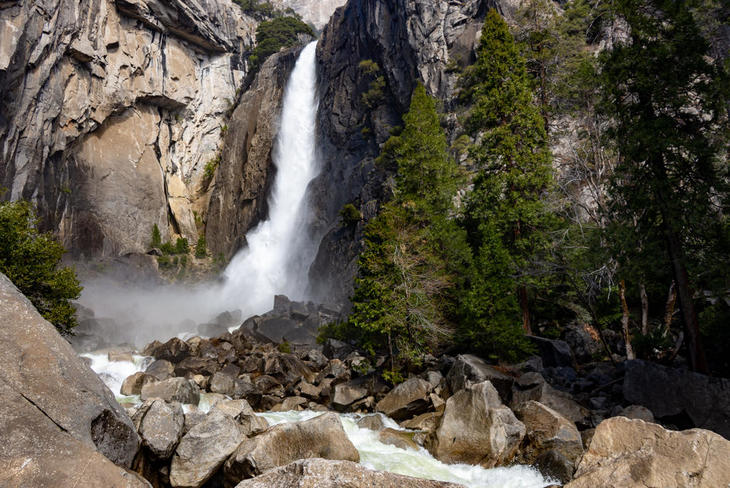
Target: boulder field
(196, 425)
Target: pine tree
(666, 101)
(414, 249)
(506, 216)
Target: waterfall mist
(279, 250)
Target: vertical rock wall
(110, 110)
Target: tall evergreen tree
(403, 297)
(666, 102)
(506, 215)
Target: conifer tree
(666, 101)
(414, 249)
(506, 216)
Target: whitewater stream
(373, 453)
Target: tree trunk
(686, 303)
(625, 320)
(644, 310)
(524, 305)
(669, 307)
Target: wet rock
(469, 370)
(133, 384)
(161, 428)
(160, 369)
(477, 428)
(320, 437)
(55, 398)
(547, 430)
(204, 449)
(172, 390)
(406, 400)
(426, 422)
(322, 473)
(398, 438)
(670, 392)
(637, 454)
(372, 422)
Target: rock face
(246, 171)
(110, 109)
(161, 428)
(320, 437)
(315, 12)
(410, 41)
(669, 392)
(204, 449)
(636, 454)
(56, 391)
(321, 473)
(477, 429)
(469, 369)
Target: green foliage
(375, 94)
(210, 167)
(507, 219)
(350, 214)
(182, 246)
(284, 347)
(403, 301)
(668, 196)
(156, 237)
(274, 34)
(201, 247)
(31, 259)
(168, 248)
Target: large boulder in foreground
(320, 437)
(635, 454)
(35, 452)
(204, 449)
(477, 429)
(671, 392)
(321, 473)
(51, 383)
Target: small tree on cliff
(667, 104)
(31, 261)
(506, 216)
(403, 299)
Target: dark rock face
(469, 369)
(46, 375)
(410, 41)
(670, 392)
(246, 171)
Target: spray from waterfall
(279, 250)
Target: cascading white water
(277, 257)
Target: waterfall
(277, 257)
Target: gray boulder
(477, 428)
(320, 437)
(406, 400)
(345, 394)
(552, 441)
(161, 428)
(161, 369)
(532, 386)
(204, 449)
(133, 384)
(554, 353)
(321, 473)
(172, 390)
(52, 384)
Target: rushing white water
(277, 257)
(373, 453)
